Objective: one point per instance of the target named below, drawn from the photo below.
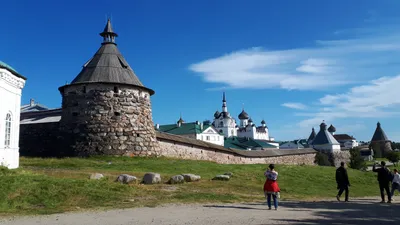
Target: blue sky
(292, 63)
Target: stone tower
(380, 141)
(106, 110)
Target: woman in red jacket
(271, 187)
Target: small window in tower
(75, 114)
(116, 90)
(123, 64)
(117, 113)
(138, 135)
(84, 89)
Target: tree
(395, 145)
(393, 157)
(356, 160)
(322, 159)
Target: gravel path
(358, 211)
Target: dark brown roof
(312, 135)
(332, 128)
(243, 115)
(108, 66)
(343, 137)
(324, 137)
(243, 153)
(379, 134)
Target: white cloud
(316, 66)
(377, 99)
(328, 64)
(294, 105)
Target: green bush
(393, 157)
(322, 159)
(356, 160)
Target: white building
(346, 141)
(324, 141)
(11, 84)
(33, 107)
(196, 130)
(224, 122)
(248, 129)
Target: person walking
(271, 187)
(384, 178)
(343, 184)
(395, 182)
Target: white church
(226, 125)
(11, 84)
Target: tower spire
(224, 107)
(108, 33)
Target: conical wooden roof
(379, 134)
(108, 65)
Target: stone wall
(381, 148)
(44, 140)
(338, 157)
(40, 140)
(181, 150)
(107, 119)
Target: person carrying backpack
(384, 178)
(343, 183)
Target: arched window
(7, 140)
(221, 124)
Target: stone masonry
(106, 119)
(184, 151)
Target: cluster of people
(385, 178)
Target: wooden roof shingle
(108, 66)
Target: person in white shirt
(395, 182)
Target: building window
(221, 124)
(7, 140)
(207, 138)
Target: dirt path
(359, 211)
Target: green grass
(42, 186)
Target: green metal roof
(245, 143)
(7, 66)
(185, 128)
(12, 70)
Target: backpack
(390, 175)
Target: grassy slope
(58, 185)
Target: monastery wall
(43, 140)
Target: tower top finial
(223, 97)
(108, 33)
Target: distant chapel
(226, 125)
